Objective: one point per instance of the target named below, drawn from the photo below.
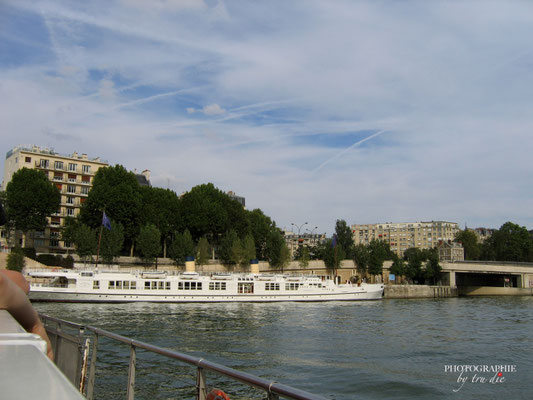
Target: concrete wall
(494, 291)
(418, 291)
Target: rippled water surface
(390, 349)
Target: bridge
(488, 277)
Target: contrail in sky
(348, 149)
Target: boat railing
(86, 379)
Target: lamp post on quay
(299, 229)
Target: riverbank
(425, 291)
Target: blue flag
(106, 222)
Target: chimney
(189, 264)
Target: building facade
(401, 236)
(451, 251)
(72, 174)
(294, 240)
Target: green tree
(262, 229)
(304, 257)
(207, 211)
(16, 260)
(398, 266)
(181, 247)
(149, 243)
(414, 258)
(361, 256)
(236, 252)
(248, 249)
(509, 243)
(30, 198)
(111, 242)
(160, 207)
(275, 251)
(85, 241)
(333, 255)
(344, 237)
(379, 251)
(433, 268)
(470, 244)
(202, 251)
(225, 250)
(116, 191)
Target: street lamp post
(299, 229)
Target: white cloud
(213, 109)
(448, 83)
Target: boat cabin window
(189, 285)
(118, 285)
(217, 285)
(271, 286)
(292, 286)
(245, 287)
(86, 274)
(96, 284)
(155, 285)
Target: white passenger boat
(113, 286)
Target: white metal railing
(272, 389)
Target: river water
(388, 349)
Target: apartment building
(294, 240)
(401, 236)
(71, 174)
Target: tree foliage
(149, 243)
(116, 191)
(333, 254)
(304, 258)
(202, 251)
(160, 207)
(207, 211)
(248, 250)
(344, 237)
(509, 243)
(227, 249)
(16, 260)
(30, 198)
(470, 244)
(261, 228)
(85, 241)
(182, 247)
(111, 242)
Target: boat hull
(75, 297)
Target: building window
(86, 179)
(44, 163)
(70, 212)
(84, 190)
(72, 167)
(72, 178)
(86, 169)
(70, 200)
(27, 159)
(58, 164)
(71, 189)
(54, 243)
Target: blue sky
(369, 111)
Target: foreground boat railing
(273, 389)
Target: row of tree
(148, 221)
(509, 243)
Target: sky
(367, 111)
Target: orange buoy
(217, 394)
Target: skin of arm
(16, 302)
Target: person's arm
(14, 300)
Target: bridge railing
(273, 390)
